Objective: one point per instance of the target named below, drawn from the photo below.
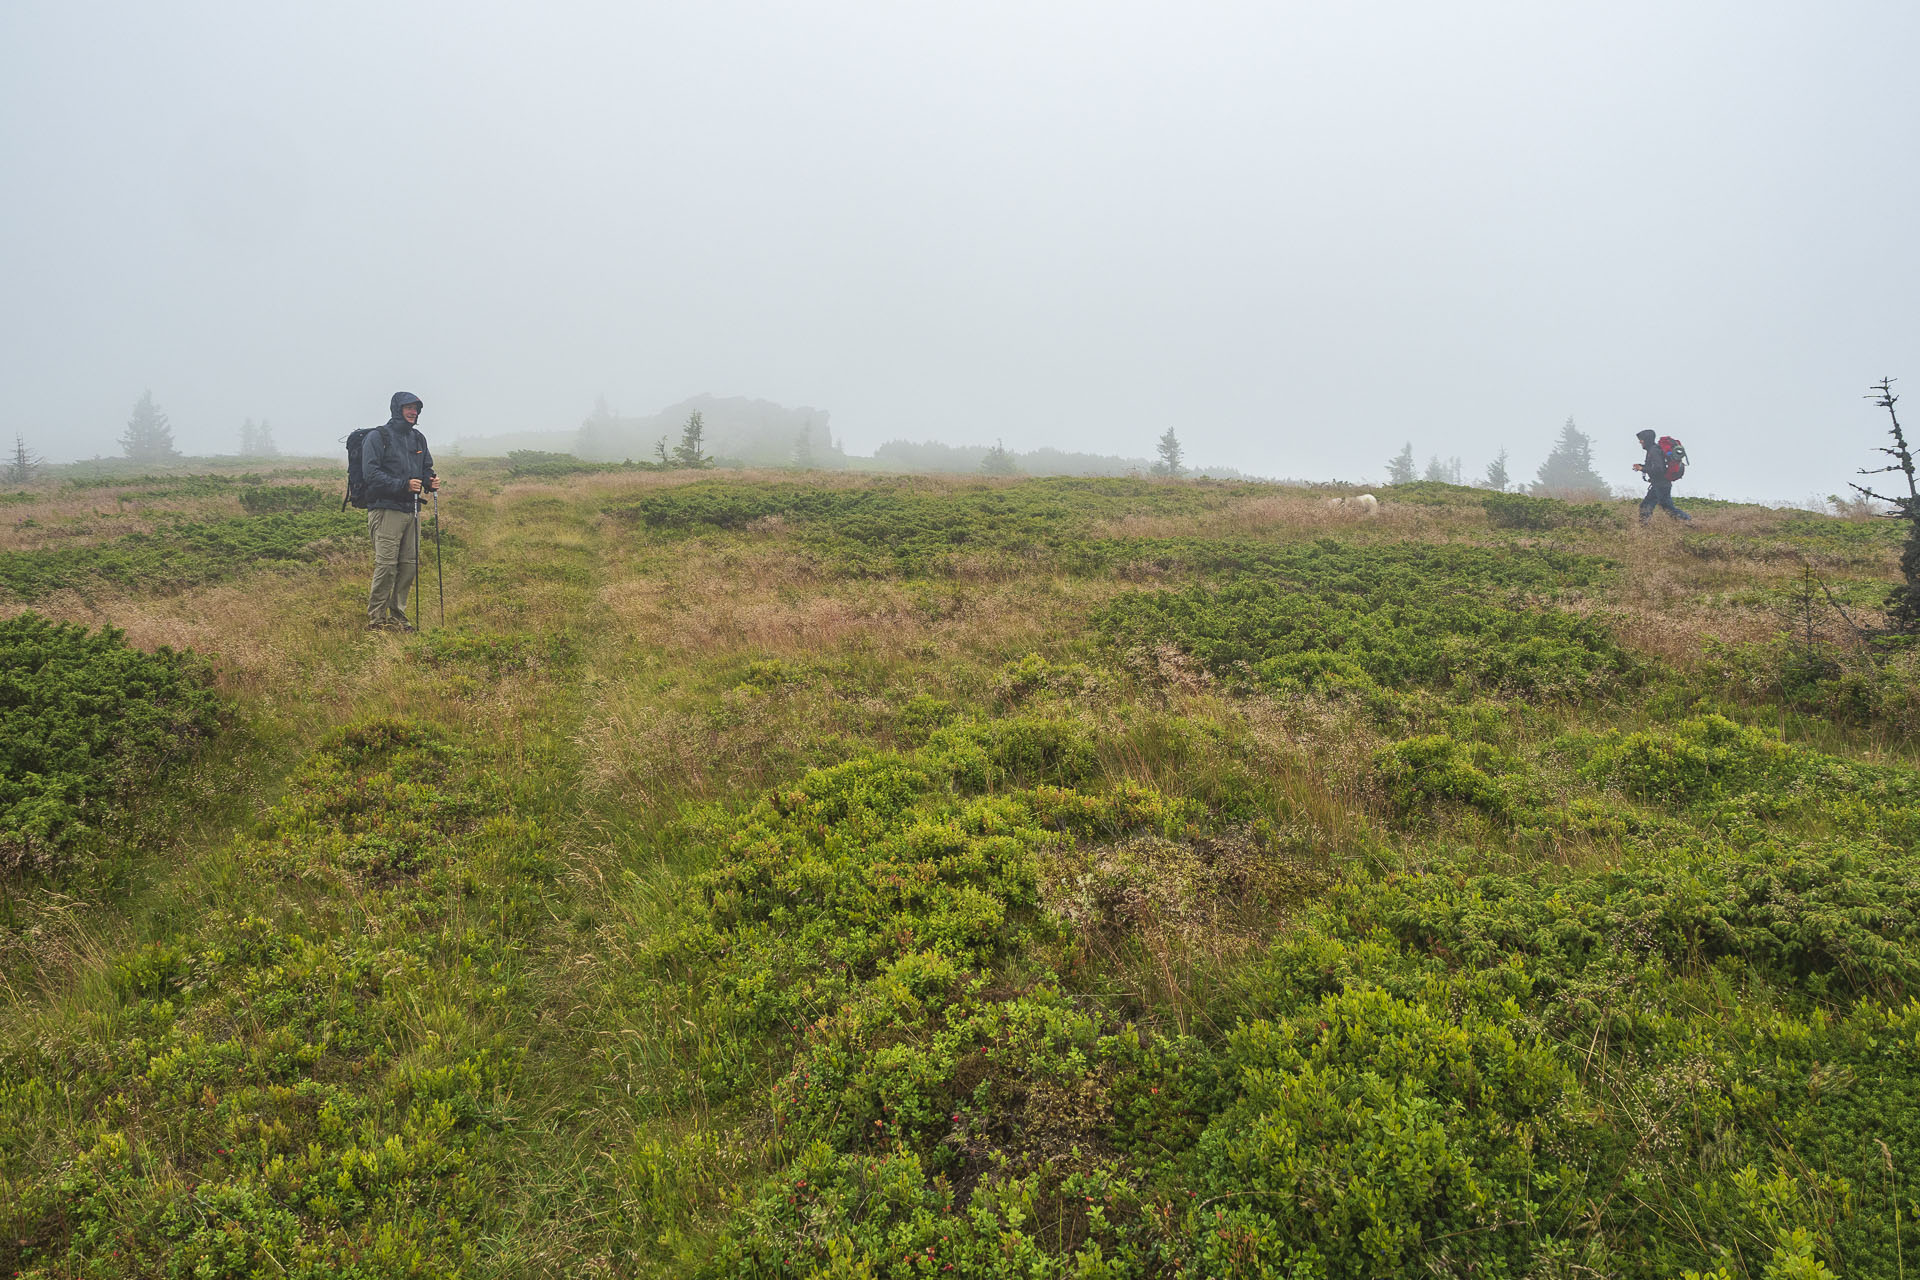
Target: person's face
(411, 413)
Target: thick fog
(1301, 235)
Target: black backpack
(356, 480)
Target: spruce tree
(803, 448)
(1400, 466)
(688, 452)
(149, 436)
(24, 463)
(998, 461)
(1169, 465)
(1496, 478)
(1568, 471)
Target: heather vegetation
(908, 877)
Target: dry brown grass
(769, 599)
(1171, 916)
(84, 517)
(53, 938)
(266, 635)
(1668, 604)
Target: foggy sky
(1301, 234)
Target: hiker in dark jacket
(1659, 489)
(397, 468)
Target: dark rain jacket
(1655, 466)
(390, 456)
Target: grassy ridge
(930, 878)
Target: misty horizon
(1299, 238)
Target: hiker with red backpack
(1666, 461)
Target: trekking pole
(416, 561)
(439, 565)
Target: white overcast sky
(1301, 234)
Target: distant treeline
(931, 455)
(737, 432)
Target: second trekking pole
(439, 567)
(416, 562)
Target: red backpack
(1676, 455)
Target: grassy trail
(421, 915)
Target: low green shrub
(1877, 690)
(1518, 511)
(1427, 1071)
(910, 528)
(154, 487)
(184, 554)
(1032, 676)
(1424, 774)
(1379, 626)
(1375, 572)
(263, 499)
(287, 1094)
(86, 722)
(527, 464)
(1700, 758)
(1012, 751)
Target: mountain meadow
(770, 874)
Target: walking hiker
(1666, 461)
(395, 469)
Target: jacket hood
(401, 399)
(1644, 437)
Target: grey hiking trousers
(396, 545)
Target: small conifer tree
(1169, 467)
(998, 461)
(1400, 466)
(1568, 471)
(149, 436)
(24, 464)
(689, 453)
(1497, 478)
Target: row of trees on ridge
(1568, 471)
